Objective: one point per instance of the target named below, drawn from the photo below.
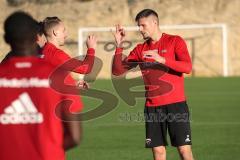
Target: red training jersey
(29, 127)
(57, 57)
(164, 84)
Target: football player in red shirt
(163, 59)
(53, 39)
(29, 125)
(56, 34)
(41, 40)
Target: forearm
(118, 66)
(179, 66)
(69, 143)
(72, 134)
(86, 65)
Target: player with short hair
(55, 32)
(40, 39)
(29, 127)
(163, 59)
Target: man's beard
(146, 38)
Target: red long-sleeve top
(164, 84)
(57, 57)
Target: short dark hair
(40, 28)
(20, 27)
(48, 23)
(146, 13)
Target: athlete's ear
(155, 21)
(54, 32)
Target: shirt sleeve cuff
(118, 50)
(91, 51)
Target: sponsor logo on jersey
(21, 111)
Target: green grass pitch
(215, 114)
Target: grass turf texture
(215, 110)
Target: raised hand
(91, 41)
(119, 35)
(82, 84)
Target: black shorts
(172, 117)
